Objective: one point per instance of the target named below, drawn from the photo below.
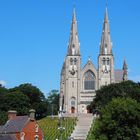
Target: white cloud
(2, 82)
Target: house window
(36, 128)
(89, 81)
(36, 137)
(22, 135)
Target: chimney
(32, 114)
(12, 114)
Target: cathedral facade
(79, 84)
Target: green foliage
(123, 89)
(41, 109)
(22, 99)
(15, 101)
(25, 97)
(120, 120)
(35, 96)
(3, 90)
(33, 93)
(53, 103)
(3, 117)
(51, 131)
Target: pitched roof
(15, 125)
(8, 137)
(118, 76)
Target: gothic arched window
(103, 61)
(75, 60)
(71, 61)
(89, 81)
(107, 61)
(73, 101)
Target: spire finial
(74, 15)
(89, 58)
(106, 15)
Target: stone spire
(125, 71)
(74, 45)
(106, 44)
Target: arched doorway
(73, 102)
(89, 109)
(72, 109)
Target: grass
(92, 130)
(50, 128)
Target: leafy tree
(36, 98)
(3, 90)
(15, 101)
(3, 117)
(33, 93)
(123, 89)
(41, 109)
(53, 102)
(120, 120)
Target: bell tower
(72, 71)
(105, 58)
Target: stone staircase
(83, 126)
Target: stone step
(82, 127)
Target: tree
(41, 109)
(120, 120)
(15, 101)
(123, 89)
(53, 102)
(33, 93)
(3, 117)
(36, 98)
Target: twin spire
(106, 44)
(74, 45)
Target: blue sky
(34, 37)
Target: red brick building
(21, 127)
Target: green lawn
(90, 133)
(50, 127)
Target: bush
(119, 120)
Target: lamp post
(60, 127)
(52, 112)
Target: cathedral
(79, 84)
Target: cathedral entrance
(72, 109)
